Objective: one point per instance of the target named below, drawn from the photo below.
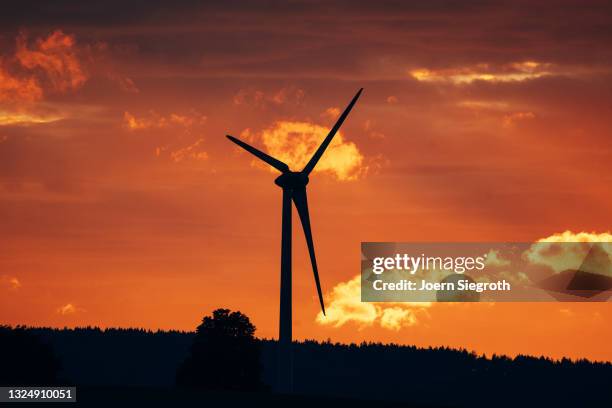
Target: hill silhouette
(93, 357)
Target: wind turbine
(294, 184)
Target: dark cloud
(338, 38)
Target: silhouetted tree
(25, 359)
(224, 354)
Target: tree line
(224, 354)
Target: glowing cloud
(10, 282)
(569, 236)
(125, 83)
(261, 99)
(69, 309)
(14, 89)
(193, 151)
(369, 128)
(484, 105)
(502, 111)
(50, 66)
(288, 94)
(574, 251)
(295, 142)
(513, 72)
(154, 120)
(134, 123)
(394, 318)
(392, 100)
(345, 306)
(55, 57)
(511, 119)
(24, 118)
(331, 113)
(493, 259)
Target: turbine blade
(301, 203)
(277, 164)
(315, 157)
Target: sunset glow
(123, 204)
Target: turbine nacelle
(292, 180)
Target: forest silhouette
(223, 354)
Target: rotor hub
(292, 180)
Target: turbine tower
(294, 184)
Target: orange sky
(122, 203)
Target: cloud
(26, 118)
(331, 113)
(261, 99)
(11, 282)
(125, 83)
(571, 34)
(180, 148)
(569, 250)
(511, 119)
(154, 120)
(178, 134)
(494, 259)
(569, 236)
(394, 318)
(50, 65)
(134, 123)
(288, 94)
(483, 105)
(69, 309)
(18, 90)
(369, 127)
(345, 306)
(55, 58)
(392, 100)
(503, 112)
(193, 151)
(295, 142)
(512, 72)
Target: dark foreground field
(174, 397)
(127, 367)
